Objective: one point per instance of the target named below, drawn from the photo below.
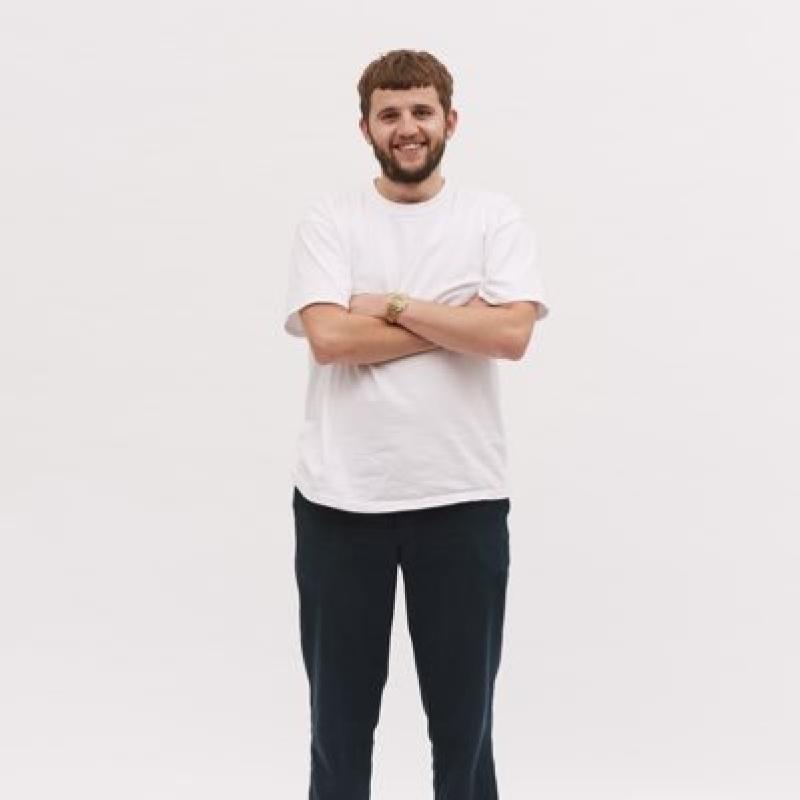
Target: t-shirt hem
(382, 506)
(543, 305)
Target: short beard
(397, 174)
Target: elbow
(319, 358)
(517, 348)
(331, 349)
(322, 350)
(323, 328)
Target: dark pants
(455, 562)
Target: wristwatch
(397, 302)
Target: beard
(394, 170)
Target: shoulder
(497, 208)
(333, 207)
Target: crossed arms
(360, 335)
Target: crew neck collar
(408, 209)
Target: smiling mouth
(415, 148)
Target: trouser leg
(346, 570)
(455, 562)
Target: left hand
(372, 305)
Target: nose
(407, 124)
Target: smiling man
(408, 290)
(408, 156)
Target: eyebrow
(416, 107)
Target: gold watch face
(395, 305)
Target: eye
(389, 115)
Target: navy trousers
(455, 563)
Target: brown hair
(405, 69)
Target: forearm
(364, 339)
(478, 329)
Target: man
(408, 291)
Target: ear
(451, 122)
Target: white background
(155, 157)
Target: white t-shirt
(425, 429)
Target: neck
(410, 192)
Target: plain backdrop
(154, 159)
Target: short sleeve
(511, 266)
(318, 268)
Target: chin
(403, 175)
